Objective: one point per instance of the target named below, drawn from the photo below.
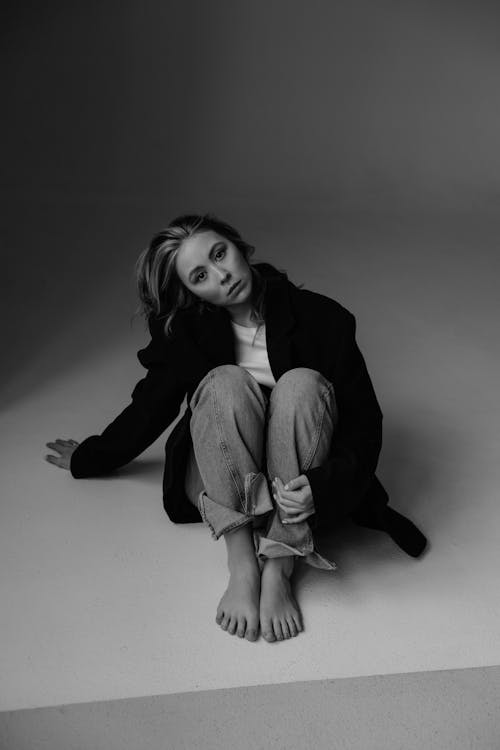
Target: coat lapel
(279, 324)
(214, 338)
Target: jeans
(243, 436)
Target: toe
(277, 630)
(233, 624)
(219, 617)
(298, 622)
(242, 626)
(285, 630)
(251, 634)
(292, 628)
(268, 632)
(225, 622)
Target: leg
(302, 416)
(227, 430)
(301, 423)
(224, 480)
(238, 610)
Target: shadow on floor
(411, 474)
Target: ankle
(240, 547)
(280, 566)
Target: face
(209, 266)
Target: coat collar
(213, 334)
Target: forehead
(194, 250)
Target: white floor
(103, 598)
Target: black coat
(303, 329)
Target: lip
(234, 287)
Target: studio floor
(103, 598)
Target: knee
(229, 378)
(302, 382)
(229, 381)
(303, 390)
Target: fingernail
(286, 486)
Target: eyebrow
(199, 268)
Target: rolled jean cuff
(221, 519)
(271, 548)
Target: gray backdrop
(282, 117)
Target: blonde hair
(161, 292)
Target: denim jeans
(243, 436)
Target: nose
(225, 275)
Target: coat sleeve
(338, 485)
(156, 402)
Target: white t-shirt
(251, 353)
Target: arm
(339, 484)
(156, 401)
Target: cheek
(207, 294)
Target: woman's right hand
(65, 448)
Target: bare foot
(238, 610)
(280, 616)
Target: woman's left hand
(295, 498)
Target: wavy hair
(161, 292)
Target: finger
(282, 487)
(294, 495)
(288, 506)
(296, 483)
(54, 447)
(297, 519)
(293, 501)
(301, 517)
(54, 460)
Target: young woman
(282, 429)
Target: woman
(282, 429)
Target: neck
(243, 319)
(242, 316)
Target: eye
(220, 252)
(197, 277)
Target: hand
(295, 498)
(65, 448)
